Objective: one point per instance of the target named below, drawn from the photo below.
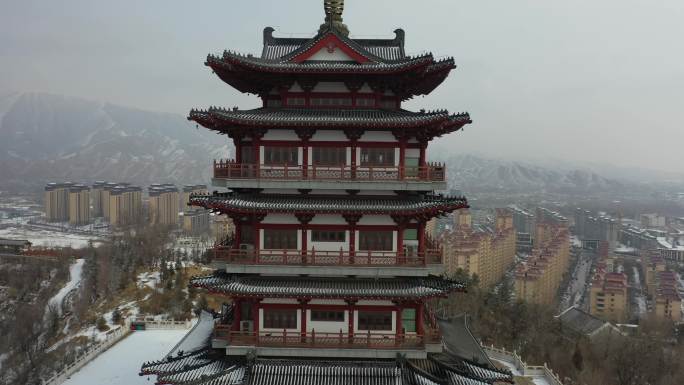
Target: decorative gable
(331, 48)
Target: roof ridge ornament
(333, 17)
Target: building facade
(164, 206)
(125, 205)
(56, 201)
(608, 296)
(482, 251)
(537, 279)
(79, 205)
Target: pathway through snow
(75, 274)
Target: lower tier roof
(206, 366)
(234, 203)
(328, 288)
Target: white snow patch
(121, 364)
(75, 274)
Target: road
(579, 282)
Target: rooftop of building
(581, 322)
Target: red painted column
(238, 152)
(354, 161)
(305, 243)
(237, 314)
(257, 156)
(352, 241)
(422, 171)
(400, 326)
(305, 159)
(257, 238)
(303, 329)
(421, 236)
(350, 329)
(238, 235)
(255, 317)
(402, 159)
(401, 258)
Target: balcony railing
(227, 169)
(362, 340)
(327, 258)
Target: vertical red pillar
(401, 257)
(255, 317)
(421, 236)
(422, 158)
(257, 238)
(238, 234)
(237, 314)
(238, 151)
(400, 326)
(257, 155)
(352, 240)
(350, 328)
(303, 311)
(402, 159)
(354, 161)
(305, 240)
(305, 160)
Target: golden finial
(333, 17)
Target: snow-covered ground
(121, 364)
(536, 380)
(48, 238)
(75, 274)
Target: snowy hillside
(52, 138)
(473, 173)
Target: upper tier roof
(278, 48)
(380, 62)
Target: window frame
(327, 315)
(290, 243)
(340, 236)
(370, 157)
(374, 317)
(371, 240)
(287, 318)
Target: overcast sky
(592, 80)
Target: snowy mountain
(55, 138)
(473, 173)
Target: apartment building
(608, 295)
(164, 204)
(485, 251)
(125, 205)
(538, 278)
(79, 205)
(56, 201)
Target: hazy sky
(598, 80)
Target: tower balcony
(339, 345)
(332, 263)
(228, 173)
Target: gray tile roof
(301, 117)
(580, 321)
(378, 49)
(307, 287)
(426, 63)
(274, 371)
(250, 204)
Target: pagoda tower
(330, 192)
